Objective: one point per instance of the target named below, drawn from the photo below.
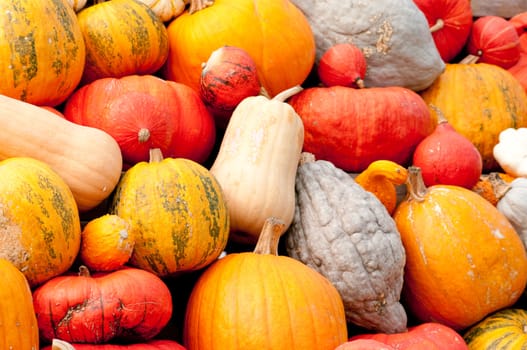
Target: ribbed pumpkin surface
(39, 220)
(479, 101)
(43, 52)
(505, 329)
(178, 212)
(18, 324)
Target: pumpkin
(19, 328)
(450, 22)
(89, 160)
(392, 120)
(43, 51)
(256, 163)
(342, 64)
(345, 233)
(178, 212)
(40, 230)
(447, 157)
(261, 300)
(157, 344)
(229, 76)
(452, 234)
(107, 243)
(381, 178)
(275, 34)
(428, 335)
(513, 205)
(393, 35)
(142, 112)
(493, 40)
(503, 329)
(123, 37)
(479, 100)
(130, 304)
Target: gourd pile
(278, 174)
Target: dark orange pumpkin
(130, 304)
(142, 112)
(275, 33)
(123, 37)
(43, 51)
(354, 127)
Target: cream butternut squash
(88, 159)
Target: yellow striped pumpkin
(123, 37)
(177, 211)
(18, 326)
(39, 221)
(504, 329)
(43, 52)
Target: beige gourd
(257, 161)
(88, 159)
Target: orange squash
(275, 34)
(18, 328)
(43, 51)
(39, 221)
(464, 260)
(123, 37)
(260, 300)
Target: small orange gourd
(260, 300)
(381, 178)
(464, 260)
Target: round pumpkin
(128, 304)
(260, 300)
(43, 51)
(275, 34)
(464, 260)
(142, 112)
(123, 37)
(479, 100)
(107, 243)
(39, 221)
(177, 211)
(504, 329)
(19, 328)
(354, 127)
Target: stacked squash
(324, 209)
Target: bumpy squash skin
(504, 329)
(178, 212)
(43, 51)
(39, 221)
(19, 328)
(346, 234)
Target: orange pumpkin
(123, 37)
(259, 300)
(43, 51)
(275, 34)
(464, 259)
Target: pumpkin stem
(197, 5)
(469, 59)
(155, 155)
(84, 272)
(264, 92)
(439, 24)
(360, 83)
(306, 157)
(415, 184)
(284, 95)
(272, 230)
(440, 116)
(58, 344)
(143, 135)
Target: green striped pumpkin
(39, 221)
(178, 212)
(43, 52)
(505, 330)
(123, 37)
